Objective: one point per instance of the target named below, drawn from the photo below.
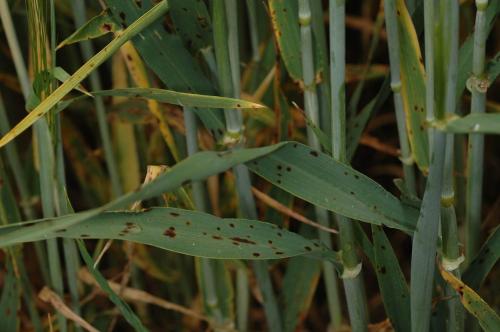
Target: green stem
(429, 63)
(254, 32)
(87, 50)
(11, 151)
(209, 285)
(394, 60)
(352, 278)
(311, 108)
(475, 153)
(451, 254)
(227, 55)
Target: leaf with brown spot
(486, 316)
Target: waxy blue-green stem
(95, 84)
(451, 257)
(312, 111)
(394, 60)
(352, 278)
(475, 155)
(208, 281)
(228, 62)
(429, 64)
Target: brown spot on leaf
(239, 239)
(170, 232)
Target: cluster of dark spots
(129, 57)
(382, 247)
(295, 145)
(138, 3)
(188, 223)
(314, 153)
(288, 169)
(170, 232)
(398, 12)
(84, 235)
(122, 16)
(218, 228)
(238, 105)
(279, 167)
(174, 214)
(346, 173)
(382, 269)
(352, 193)
(256, 254)
(231, 225)
(251, 226)
(270, 241)
(184, 9)
(278, 181)
(279, 234)
(307, 248)
(279, 253)
(356, 176)
(316, 244)
(205, 233)
(235, 243)
(241, 240)
(216, 237)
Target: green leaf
(285, 21)
(486, 316)
(357, 124)
(493, 68)
(192, 22)
(484, 123)
(124, 308)
(167, 57)
(97, 26)
(299, 285)
(84, 71)
(10, 301)
(392, 283)
(484, 261)
(197, 167)
(413, 87)
(317, 178)
(187, 232)
(181, 98)
(222, 289)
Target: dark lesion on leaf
(170, 232)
